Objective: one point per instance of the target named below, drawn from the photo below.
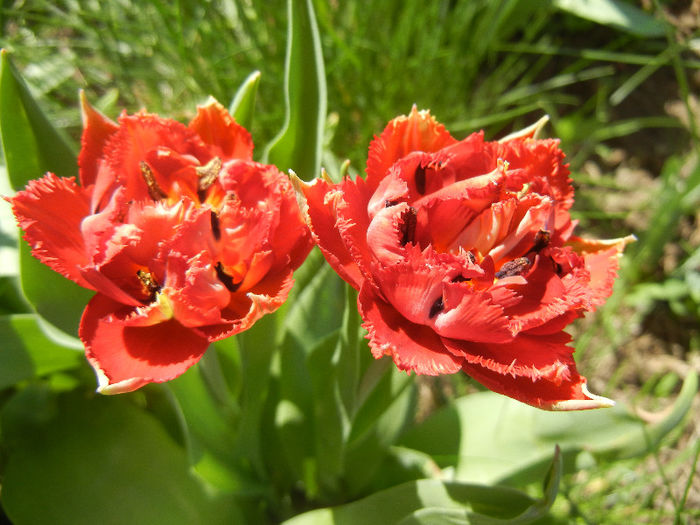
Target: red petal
(195, 293)
(127, 357)
(413, 347)
(547, 296)
(96, 130)
(50, 211)
(218, 129)
(602, 261)
(535, 357)
(140, 134)
(468, 158)
(569, 395)
(322, 202)
(539, 371)
(246, 308)
(416, 132)
(543, 167)
(472, 316)
(384, 234)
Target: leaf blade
(298, 145)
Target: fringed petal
(413, 347)
(418, 131)
(218, 129)
(50, 211)
(127, 357)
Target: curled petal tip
(593, 401)
(211, 101)
(90, 113)
(532, 131)
(104, 387)
(298, 184)
(344, 167)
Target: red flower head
(184, 238)
(463, 255)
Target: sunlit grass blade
(614, 13)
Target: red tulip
(463, 255)
(184, 238)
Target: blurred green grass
(620, 95)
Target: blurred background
(619, 80)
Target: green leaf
(11, 299)
(58, 300)
(334, 370)
(387, 396)
(243, 105)
(8, 230)
(434, 501)
(316, 308)
(299, 143)
(614, 13)
(32, 146)
(97, 460)
(257, 348)
(511, 440)
(28, 353)
(207, 422)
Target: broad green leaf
(401, 465)
(9, 257)
(208, 423)
(349, 354)
(32, 146)
(434, 501)
(294, 418)
(332, 420)
(299, 143)
(11, 299)
(75, 460)
(28, 353)
(307, 329)
(382, 417)
(490, 438)
(257, 348)
(243, 105)
(58, 300)
(316, 308)
(615, 13)
(335, 372)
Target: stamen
(149, 284)
(408, 228)
(208, 173)
(225, 278)
(437, 307)
(419, 178)
(389, 204)
(542, 239)
(154, 190)
(215, 226)
(514, 267)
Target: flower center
(149, 285)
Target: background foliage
(619, 81)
